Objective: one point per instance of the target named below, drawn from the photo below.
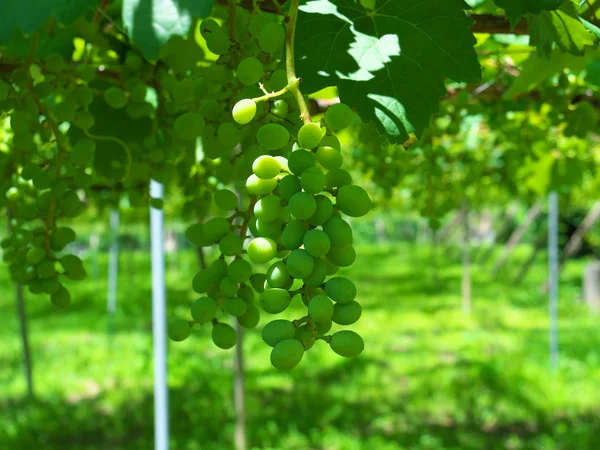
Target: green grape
(138, 93)
(216, 228)
(262, 250)
(320, 308)
(342, 256)
(278, 276)
(195, 234)
(203, 310)
(305, 335)
(250, 318)
(347, 343)
(239, 271)
(329, 157)
(235, 306)
(4, 90)
(179, 330)
(270, 230)
(313, 180)
(318, 275)
(83, 120)
(218, 42)
(300, 264)
(259, 21)
(61, 237)
(346, 313)
(300, 160)
(203, 282)
(246, 293)
(228, 287)
(271, 38)
(275, 300)
(55, 63)
(302, 205)
(200, 88)
(268, 208)
(13, 194)
(35, 255)
(337, 178)
(231, 245)
(73, 266)
(21, 121)
(293, 234)
(218, 270)
(115, 97)
(331, 268)
(226, 199)
(258, 282)
(265, 167)
(280, 108)
(244, 111)
(212, 148)
(288, 186)
(323, 212)
(272, 136)
(339, 232)
(323, 327)
(316, 243)
(84, 96)
(353, 201)
(250, 71)
(183, 91)
(189, 126)
(46, 269)
(278, 330)
(309, 135)
(51, 285)
(257, 186)
(330, 140)
(133, 61)
(208, 26)
(338, 116)
(340, 289)
(86, 72)
(278, 80)
(224, 336)
(287, 354)
(65, 111)
(61, 298)
(228, 134)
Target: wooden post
(591, 286)
(510, 214)
(239, 379)
(466, 270)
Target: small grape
(353, 201)
(309, 135)
(262, 250)
(329, 157)
(257, 186)
(346, 313)
(228, 134)
(270, 230)
(323, 327)
(318, 275)
(266, 167)
(189, 126)
(195, 234)
(278, 330)
(218, 270)
(275, 300)
(300, 160)
(342, 256)
(250, 318)
(293, 234)
(339, 232)
(323, 212)
(339, 116)
(316, 243)
(244, 111)
(235, 306)
(320, 308)
(208, 26)
(258, 282)
(287, 354)
(203, 282)
(115, 97)
(225, 199)
(288, 186)
(231, 245)
(272, 136)
(228, 287)
(224, 336)
(61, 298)
(337, 178)
(271, 38)
(300, 264)
(250, 71)
(340, 289)
(278, 276)
(268, 208)
(313, 180)
(217, 41)
(73, 266)
(179, 330)
(347, 343)
(280, 108)
(35, 255)
(216, 228)
(239, 271)
(203, 309)
(302, 205)
(61, 237)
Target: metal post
(553, 276)
(113, 269)
(159, 324)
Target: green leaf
(582, 120)
(562, 27)
(19, 15)
(152, 23)
(388, 64)
(516, 9)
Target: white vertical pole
(113, 264)
(159, 323)
(553, 276)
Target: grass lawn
(431, 377)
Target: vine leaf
(388, 64)
(516, 9)
(19, 15)
(151, 23)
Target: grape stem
(270, 95)
(231, 6)
(290, 66)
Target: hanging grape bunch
(292, 238)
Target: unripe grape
(293, 234)
(340, 289)
(196, 235)
(346, 313)
(133, 61)
(73, 266)
(300, 160)
(270, 230)
(223, 336)
(218, 270)
(235, 306)
(216, 228)
(278, 276)
(228, 134)
(55, 63)
(316, 243)
(83, 153)
(268, 208)
(115, 97)
(208, 26)
(35, 255)
(342, 256)
(278, 330)
(46, 269)
(320, 308)
(338, 116)
(189, 126)
(339, 232)
(250, 71)
(302, 205)
(179, 330)
(300, 264)
(183, 91)
(225, 199)
(61, 237)
(309, 135)
(323, 327)
(347, 343)
(228, 287)
(271, 38)
(203, 282)
(275, 300)
(257, 186)
(323, 212)
(244, 111)
(250, 318)
(203, 309)
(353, 201)
(288, 186)
(287, 354)
(329, 157)
(258, 282)
(337, 178)
(313, 180)
(262, 250)
(218, 42)
(231, 245)
(239, 271)
(305, 335)
(272, 136)
(265, 167)
(280, 108)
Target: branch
(491, 24)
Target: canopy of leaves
(516, 9)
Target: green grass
(431, 377)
